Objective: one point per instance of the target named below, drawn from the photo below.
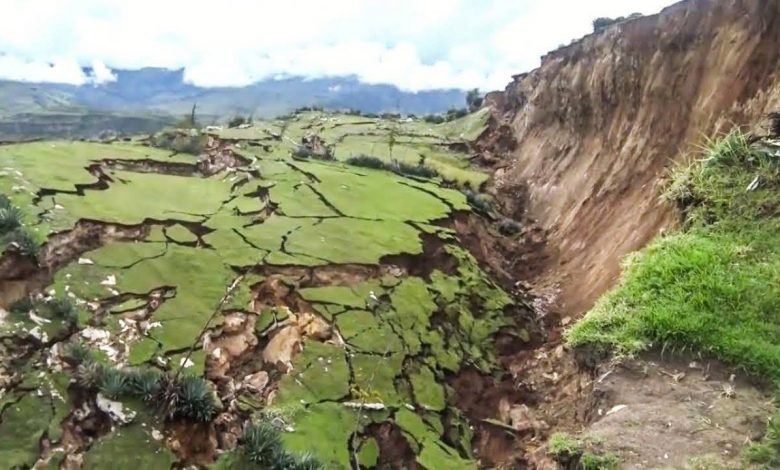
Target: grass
(326, 213)
(713, 286)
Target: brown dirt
(695, 413)
(588, 135)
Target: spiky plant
(77, 353)
(10, 219)
(5, 202)
(62, 307)
(89, 375)
(146, 383)
(20, 241)
(114, 383)
(262, 445)
(193, 400)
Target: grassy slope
(714, 286)
(326, 213)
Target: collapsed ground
(335, 302)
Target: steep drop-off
(582, 142)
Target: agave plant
(20, 241)
(114, 383)
(77, 353)
(193, 399)
(89, 375)
(262, 445)
(10, 219)
(5, 202)
(146, 383)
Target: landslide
(581, 143)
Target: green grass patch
(714, 285)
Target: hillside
(174, 298)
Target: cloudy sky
(414, 44)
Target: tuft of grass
(766, 452)
(563, 444)
(64, 309)
(606, 461)
(78, 353)
(114, 383)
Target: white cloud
(414, 44)
(101, 73)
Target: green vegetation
(126, 315)
(572, 452)
(713, 285)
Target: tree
(474, 99)
(237, 121)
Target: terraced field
(175, 300)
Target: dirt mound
(584, 139)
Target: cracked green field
(146, 300)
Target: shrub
(237, 121)
(63, 308)
(145, 383)
(403, 168)
(192, 399)
(179, 141)
(479, 202)
(603, 22)
(453, 114)
(114, 383)
(474, 99)
(366, 161)
(434, 118)
(22, 305)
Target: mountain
(163, 90)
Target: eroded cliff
(582, 142)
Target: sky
(413, 44)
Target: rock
(312, 326)
(234, 322)
(284, 344)
(522, 419)
(110, 280)
(85, 261)
(616, 409)
(114, 409)
(257, 381)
